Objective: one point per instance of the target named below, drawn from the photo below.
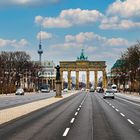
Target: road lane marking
(78, 109)
(113, 107)
(128, 101)
(66, 132)
(110, 104)
(80, 106)
(72, 120)
(122, 114)
(130, 121)
(76, 113)
(117, 110)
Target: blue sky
(104, 28)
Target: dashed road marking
(117, 110)
(113, 107)
(66, 132)
(130, 121)
(80, 106)
(76, 113)
(72, 120)
(78, 109)
(122, 114)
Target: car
(83, 89)
(91, 90)
(19, 91)
(45, 88)
(65, 90)
(109, 93)
(114, 88)
(101, 90)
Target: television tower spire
(40, 51)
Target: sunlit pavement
(18, 111)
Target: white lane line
(122, 114)
(66, 132)
(117, 110)
(130, 121)
(128, 101)
(72, 120)
(76, 113)
(109, 104)
(80, 106)
(113, 107)
(78, 109)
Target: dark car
(45, 88)
(91, 90)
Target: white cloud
(26, 2)
(44, 35)
(38, 19)
(90, 38)
(49, 22)
(118, 23)
(70, 17)
(13, 43)
(127, 8)
(117, 42)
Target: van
(114, 88)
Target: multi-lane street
(14, 100)
(83, 116)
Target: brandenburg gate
(83, 64)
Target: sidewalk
(9, 114)
(134, 97)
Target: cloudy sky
(103, 28)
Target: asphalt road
(15, 100)
(83, 116)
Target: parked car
(19, 91)
(109, 93)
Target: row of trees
(128, 69)
(13, 66)
(131, 59)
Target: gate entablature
(82, 64)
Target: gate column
(77, 80)
(69, 80)
(104, 79)
(87, 82)
(95, 74)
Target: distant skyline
(103, 28)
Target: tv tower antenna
(40, 51)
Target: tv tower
(40, 51)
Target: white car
(114, 88)
(109, 93)
(19, 91)
(65, 90)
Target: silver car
(109, 93)
(19, 91)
